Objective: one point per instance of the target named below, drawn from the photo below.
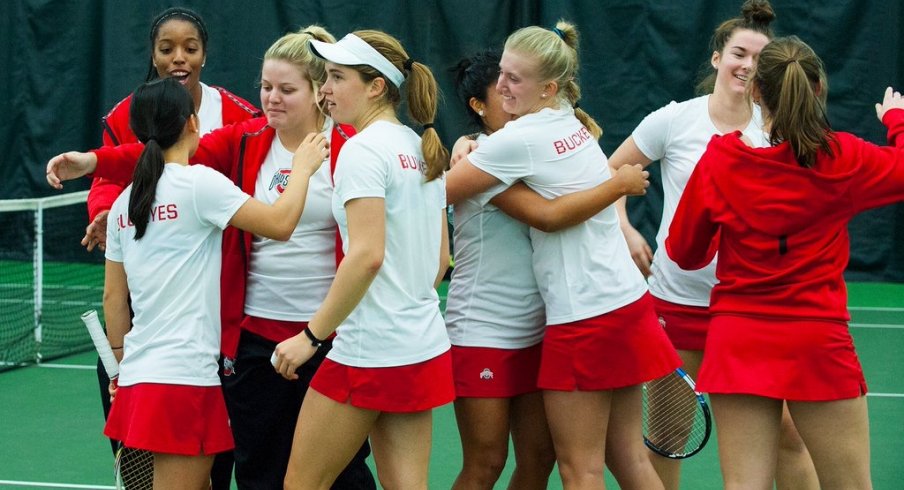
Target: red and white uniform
(677, 135)
(781, 233)
(219, 107)
(288, 280)
(398, 321)
(173, 272)
(585, 273)
(239, 151)
(493, 298)
(582, 271)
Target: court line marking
(886, 395)
(893, 326)
(54, 485)
(876, 308)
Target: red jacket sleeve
(115, 131)
(880, 180)
(216, 150)
(693, 235)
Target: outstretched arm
(525, 205)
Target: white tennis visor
(352, 50)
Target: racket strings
(675, 421)
(134, 469)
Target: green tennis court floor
(51, 422)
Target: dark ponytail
(157, 116)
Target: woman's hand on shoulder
(68, 166)
(310, 154)
(891, 100)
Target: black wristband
(314, 340)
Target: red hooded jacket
(117, 132)
(781, 229)
(237, 151)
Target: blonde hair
(792, 86)
(422, 95)
(293, 48)
(556, 56)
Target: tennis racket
(133, 468)
(676, 419)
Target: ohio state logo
(280, 180)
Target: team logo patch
(486, 374)
(280, 180)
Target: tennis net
(47, 279)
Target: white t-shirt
(288, 280)
(211, 111)
(173, 273)
(398, 321)
(493, 297)
(677, 135)
(583, 271)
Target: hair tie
(428, 126)
(576, 106)
(407, 64)
(559, 33)
(310, 34)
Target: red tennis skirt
(399, 389)
(485, 372)
(171, 419)
(624, 347)
(685, 325)
(785, 359)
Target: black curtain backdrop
(65, 63)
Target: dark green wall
(65, 63)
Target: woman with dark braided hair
(777, 217)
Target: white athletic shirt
(211, 111)
(493, 297)
(173, 273)
(398, 321)
(288, 280)
(583, 271)
(677, 135)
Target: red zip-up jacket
(237, 151)
(781, 229)
(117, 132)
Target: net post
(39, 279)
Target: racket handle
(273, 359)
(101, 344)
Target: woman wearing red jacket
(777, 216)
(178, 49)
(178, 42)
(269, 289)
